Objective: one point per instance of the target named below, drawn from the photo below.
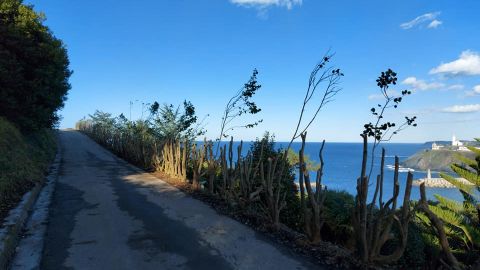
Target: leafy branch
(240, 104)
(381, 130)
(322, 73)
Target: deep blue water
(343, 165)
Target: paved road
(108, 215)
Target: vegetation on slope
(33, 87)
(438, 160)
(23, 162)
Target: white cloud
(425, 18)
(475, 91)
(434, 24)
(467, 64)
(456, 87)
(267, 3)
(417, 84)
(462, 108)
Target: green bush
(338, 214)
(33, 68)
(291, 214)
(414, 255)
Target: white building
(459, 145)
(455, 142)
(436, 146)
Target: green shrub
(291, 215)
(33, 68)
(414, 255)
(338, 208)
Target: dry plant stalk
(173, 160)
(212, 168)
(274, 198)
(373, 227)
(437, 224)
(239, 179)
(313, 213)
(228, 171)
(198, 157)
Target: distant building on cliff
(436, 146)
(456, 145)
(455, 142)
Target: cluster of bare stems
(373, 226)
(173, 159)
(243, 181)
(312, 201)
(373, 222)
(238, 178)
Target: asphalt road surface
(106, 214)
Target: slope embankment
(24, 159)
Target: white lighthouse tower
(455, 142)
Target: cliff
(439, 160)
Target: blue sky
(204, 50)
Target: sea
(343, 166)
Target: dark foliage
(291, 215)
(338, 208)
(240, 104)
(33, 68)
(380, 129)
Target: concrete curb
(19, 217)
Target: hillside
(439, 160)
(23, 161)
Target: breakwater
(439, 182)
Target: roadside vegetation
(33, 86)
(23, 162)
(260, 189)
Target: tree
(34, 69)
(169, 123)
(294, 160)
(240, 104)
